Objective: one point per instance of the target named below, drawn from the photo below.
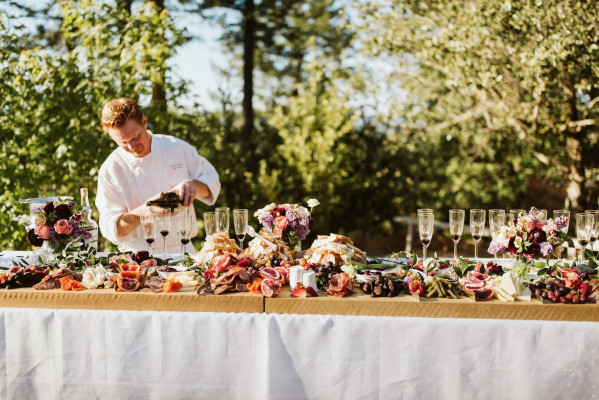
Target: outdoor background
(375, 108)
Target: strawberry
(299, 291)
(311, 292)
(568, 282)
(243, 263)
(209, 273)
(585, 289)
(223, 264)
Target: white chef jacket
(125, 182)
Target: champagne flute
(426, 221)
(185, 220)
(456, 227)
(584, 223)
(542, 215)
(148, 223)
(561, 218)
(496, 222)
(165, 227)
(223, 220)
(240, 220)
(518, 213)
(594, 228)
(477, 226)
(210, 222)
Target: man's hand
(187, 191)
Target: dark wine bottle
(167, 200)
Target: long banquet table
(57, 349)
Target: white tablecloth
(76, 354)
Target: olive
(329, 264)
(272, 258)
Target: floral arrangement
(57, 223)
(289, 222)
(529, 238)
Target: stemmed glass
(426, 221)
(223, 220)
(517, 213)
(563, 214)
(240, 220)
(210, 223)
(496, 221)
(584, 224)
(456, 227)
(164, 222)
(185, 222)
(543, 215)
(148, 224)
(594, 228)
(477, 226)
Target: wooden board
(109, 299)
(410, 306)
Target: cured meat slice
(52, 281)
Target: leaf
(542, 271)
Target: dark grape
(583, 298)
(563, 300)
(575, 299)
(538, 292)
(329, 264)
(545, 295)
(557, 292)
(555, 299)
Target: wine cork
(295, 275)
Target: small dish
(166, 272)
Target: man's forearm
(129, 221)
(202, 190)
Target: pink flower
(280, 223)
(43, 231)
(529, 225)
(62, 227)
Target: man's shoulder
(169, 140)
(113, 162)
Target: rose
(141, 256)
(62, 211)
(48, 208)
(43, 232)
(34, 239)
(529, 225)
(62, 227)
(313, 203)
(280, 223)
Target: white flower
(303, 212)
(518, 242)
(265, 211)
(313, 203)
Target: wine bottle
(167, 200)
(87, 222)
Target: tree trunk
(574, 147)
(158, 87)
(249, 33)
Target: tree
(489, 73)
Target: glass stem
(476, 250)
(165, 247)
(423, 253)
(455, 250)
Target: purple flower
(546, 249)
(496, 248)
(48, 208)
(561, 222)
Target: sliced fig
(483, 294)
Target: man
(140, 169)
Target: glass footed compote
(148, 224)
(456, 227)
(240, 220)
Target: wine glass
(148, 224)
(456, 227)
(426, 221)
(210, 222)
(240, 220)
(496, 222)
(584, 223)
(542, 215)
(185, 222)
(223, 220)
(594, 227)
(477, 226)
(164, 226)
(518, 213)
(561, 218)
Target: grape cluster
(552, 289)
(325, 272)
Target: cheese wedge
(507, 284)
